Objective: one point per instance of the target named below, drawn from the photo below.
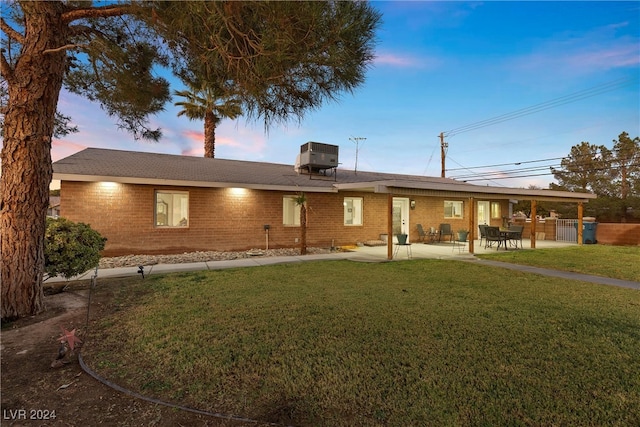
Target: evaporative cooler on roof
(316, 156)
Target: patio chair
(483, 232)
(460, 241)
(492, 235)
(421, 233)
(445, 230)
(516, 234)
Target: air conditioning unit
(318, 156)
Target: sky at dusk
(507, 83)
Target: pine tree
(285, 57)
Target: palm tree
(301, 200)
(209, 103)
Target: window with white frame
(495, 210)
(352, 210)
(453, 209)
(290, 211)
(172, 209)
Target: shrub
(71, 248)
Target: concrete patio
(445, 250)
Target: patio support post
(580, 222)
(534, 205)
(472, 221)
(390, 226)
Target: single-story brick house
(158, 203)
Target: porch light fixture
(236, 191)
(412, 203)
(108, 186)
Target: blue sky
(570, 71)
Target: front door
(400, 217)
(484, 214)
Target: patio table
(508, 235)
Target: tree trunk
(303, 229)
(34, 87)
(209, 134)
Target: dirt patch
(35, 394)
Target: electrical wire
(505, 164)
(482, 177)
(506, 172)
(472, 174)
(576, 96)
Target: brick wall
(606, 233)
(546, 226)
(230, 219)
(618, 234)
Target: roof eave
(185, 183)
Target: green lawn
(340, 343)
(619, 262)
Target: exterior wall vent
(316, 156)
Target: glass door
(484, 214)
(400, 215)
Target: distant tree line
(613, 174)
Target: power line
(469, 168)
(507, 172)
(479, 177)
(583, 94)
(506, 164)
(498, 184)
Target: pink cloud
(193, 151)
(195, 143)
(194, 135)
(198, 137)
(61, 149)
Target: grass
(619, 262)
(339, 343)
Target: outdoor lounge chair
(445, 230)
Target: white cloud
(406, 61)
(589, 53)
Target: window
(452, 209)
(495, 210)
(172, 209)
(352, 210)
(290, 211)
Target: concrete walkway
(363, 254)
(563, 274)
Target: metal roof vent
(316, 156)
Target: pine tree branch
(97, 12)
(6, 69)
(13, 34)
(65, 47)
(80, 30)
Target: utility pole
(356, 140)
(443, 153)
